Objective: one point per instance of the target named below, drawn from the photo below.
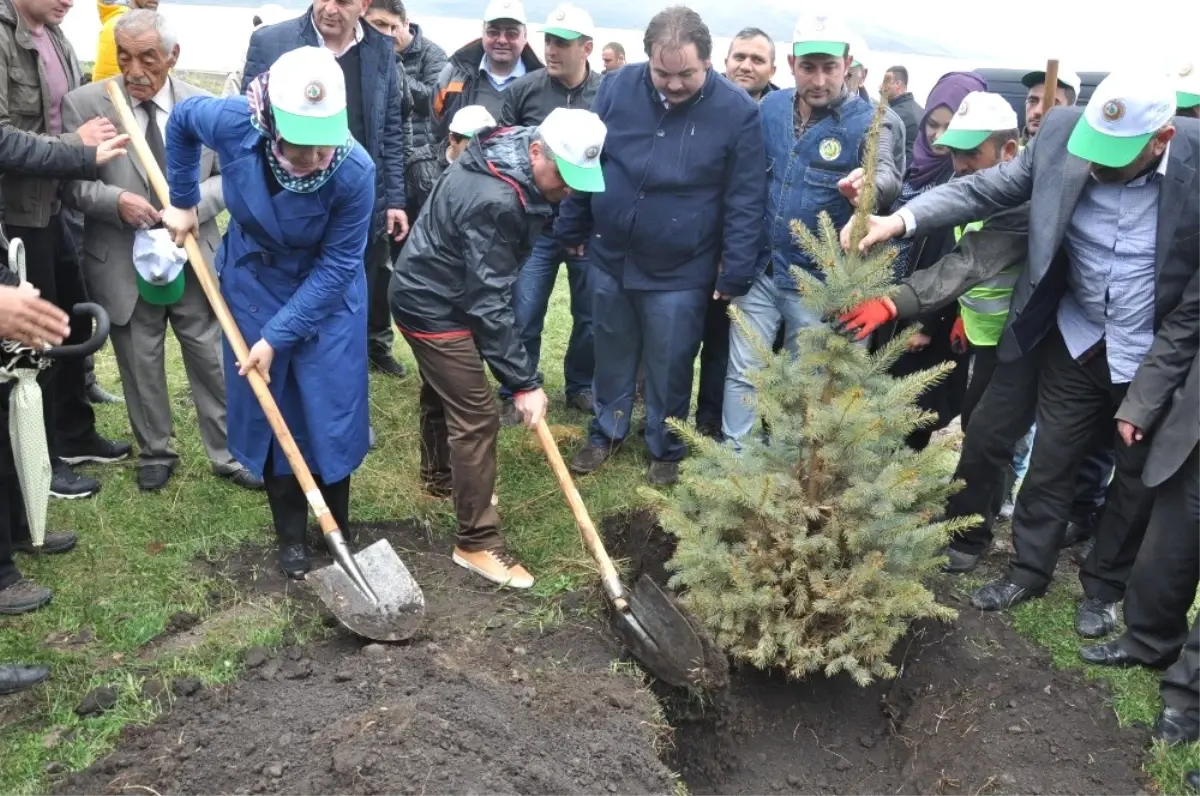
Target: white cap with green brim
(158, 265)
(470, 119)
(858, 49)
(308, 98)
(576, 137)
(979, 115)
(1125, 110)
(820, 35)
(1066, 79)
(569, 22)
(1187, 86)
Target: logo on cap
(1113, 111)
(314, 92)
(560, 15)
(819, 26)
(1187, 70)
(830, 148)
(592, 152)
(962, 108)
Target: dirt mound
(475, 704)
(975, 709)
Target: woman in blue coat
(300, 193)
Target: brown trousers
(459, 425)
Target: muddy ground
(483, 703)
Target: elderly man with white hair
(132, 275)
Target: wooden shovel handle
(212, 290)
(1050, 88)
(608, 572)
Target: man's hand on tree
(851, 186)
(31, 320)
(958, 337)
(1129, 432)
(879, 229)
(865, 318)
(136, 211)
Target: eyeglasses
(511, 34)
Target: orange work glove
(958, 337)
(865, 318)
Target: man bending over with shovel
(451, 297)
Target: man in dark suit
(368, 60)
(1114, 187)
(1161, 404)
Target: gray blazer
(107, 240)
(1051, 180)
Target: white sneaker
(495, 565)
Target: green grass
(136, 562)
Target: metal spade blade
(400, 606)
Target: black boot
(16, 677)
(289, 509)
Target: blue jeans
(531, 298)
(1020, 460)
(662, 330)
(765, 307)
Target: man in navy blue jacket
(368, 61)
(680, 222)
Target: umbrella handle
(208, 281)
(92, 344)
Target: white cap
(978, 116)
(1066, 78)
(1187, 85)
(308, 98)
(576, 137)
(271, 14)
(504, 9)
(569, 22)
(1125, 110)
(470, 119)
(820, 35)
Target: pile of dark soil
(975, 709)
(475, 704)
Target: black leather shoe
(23, 597)
(54, 543)
(1192, 778)
(1174, 727)
(15, 677)
(387, 365)
(1095, 618)
(153, 477)
(98, 395)
(960, 563)
(509, 415)
(589, 458)
(1002, 594)
(1077, 533)
(581, 402)
(245, 479)
(1110, 653)
(710, 430)
(293, 560)
(662, 473)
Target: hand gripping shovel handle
(212, 290)
(608, 572)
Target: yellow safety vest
(984, 308)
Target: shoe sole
(9, 611)
(33, 551)
(74, 460)
(467, 565)
(80, 496)
(30, 684)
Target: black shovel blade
(662, 637)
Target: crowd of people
(375, 183)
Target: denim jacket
(803, 175)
